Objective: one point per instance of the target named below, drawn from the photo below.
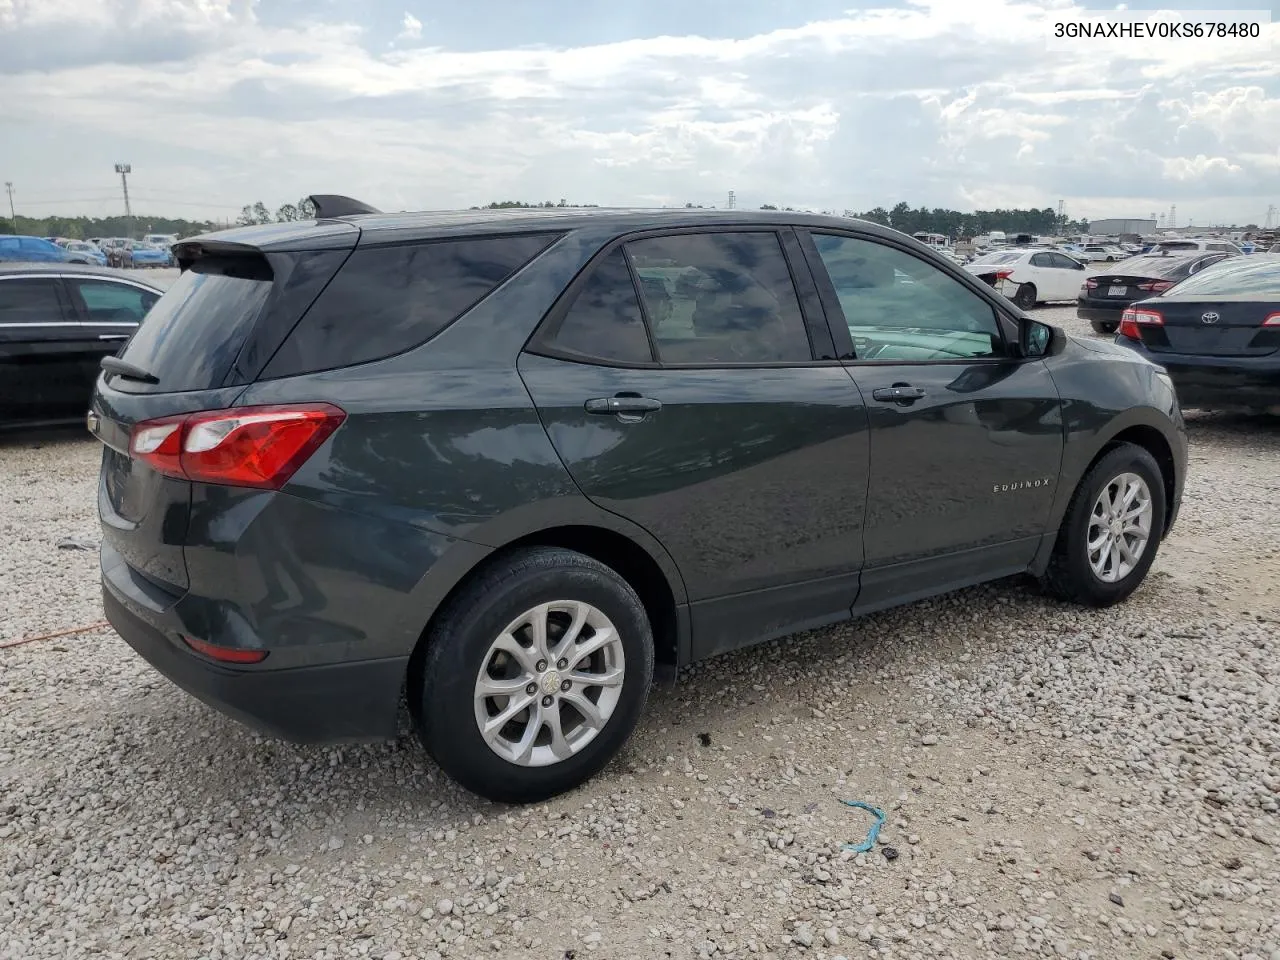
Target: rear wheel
(1025, 297)
(1111, 531)
(534, 676)
(1103, 326)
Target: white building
(1114, 227)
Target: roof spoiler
(334, 205)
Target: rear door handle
(898, 393)
(623, 405)
(113, 336)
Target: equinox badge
(1019, 485)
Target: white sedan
(1028, 277)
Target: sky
(819, 104)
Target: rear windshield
(1234, 277)
(1156, 266)
(998, 258)
(192, 335)
(1179, 245)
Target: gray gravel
(1057, 782)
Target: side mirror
(1033, 337)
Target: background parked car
(1217, 333)
(21, 249)
(1188, 245)
(82, 251)
(57, 322)
(1104, 297)
(1103, 253)
(1028, 277)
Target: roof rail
(336, 205)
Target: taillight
(1132, 319)
(1273, 320)
(1003, 274)
(242, 447)
(225, 654)
(1156, 286)
(1091, 284)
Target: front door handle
(113, 336)
(624, 406)
(898, 393)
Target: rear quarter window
(386, 300)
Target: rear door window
(194, 331)
(715, 298)
(604, 321)
(386, 300)
(113, 303)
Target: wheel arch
(1140, 427)
(628, 550)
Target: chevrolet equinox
(502, 463)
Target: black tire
(441, 688)
(1025, 297)
(1103, 326)
(1069, 575)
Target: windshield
(997, 258)
(1237, 277)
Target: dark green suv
(501, 462)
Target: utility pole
(732, 200)
(124, 169)
(1173, 216)
(8, 185)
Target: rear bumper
(329, 703)
(1218, 383)
(1100, 310)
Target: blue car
(31, 249)
(139, 254)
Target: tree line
(952, 223)
(82, 228)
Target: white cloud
(410, 28)
(926, 103)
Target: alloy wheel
(549, 683)
(1119, 527)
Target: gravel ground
(1057, 782)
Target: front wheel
(1025, 297)
(1111, 531)
(534, 676)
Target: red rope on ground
(52, 636)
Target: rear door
(109, 313)
(40, 340)
(966, 437)
(678, 382)
(1053, 281)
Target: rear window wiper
(128, 370)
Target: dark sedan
(57, 321)
(1217, 333)
(1104, 297)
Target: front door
(966, 438)
(679, 387)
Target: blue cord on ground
(873, 833)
